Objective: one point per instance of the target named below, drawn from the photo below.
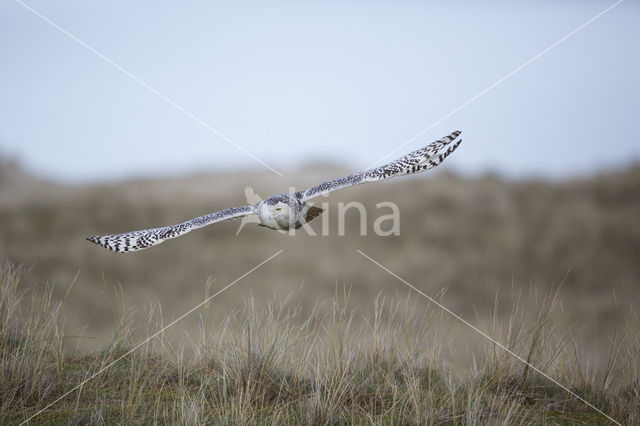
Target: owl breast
(277, 213)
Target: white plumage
(286, 211)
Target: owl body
(286, 211)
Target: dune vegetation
(322, 335)
(275, 365)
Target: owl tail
(313, 212)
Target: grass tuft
(280, 365)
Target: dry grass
(474, 237)
(282, 365)
(298, 351)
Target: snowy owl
(286, 211)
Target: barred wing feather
(417, 161)
(138, 240)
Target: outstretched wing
(138, 240)
(417, 161)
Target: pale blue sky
(317, 80)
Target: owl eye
(278, 209)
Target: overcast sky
(300, 81)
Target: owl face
(277, 212)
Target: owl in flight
(286, 211)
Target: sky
(190, 86)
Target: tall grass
(473, 235)
(283, 364)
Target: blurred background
(543, 193)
